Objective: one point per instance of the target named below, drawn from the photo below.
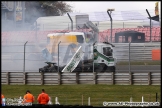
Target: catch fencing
(13, 56)
(35, 78)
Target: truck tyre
(112, 68)
(61, 68)
(101, 68)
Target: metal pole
(150, 31)
(150, 24)
(24, 55)
(111, 28)
(93, 55)
(58, 55)
(93, 58)
(111, 24)
(71, 21)
(129, 57)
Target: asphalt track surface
(119, 68)
(138, 68)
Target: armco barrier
(36, 78)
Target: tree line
(36, 9)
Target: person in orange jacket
(43, 98)
(28, 97)
(2, 96)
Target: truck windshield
(89, 38)
(80, 38)
(107, 51)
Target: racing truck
(63, 48)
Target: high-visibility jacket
(43, 98)
(28, 98)
(2, 96)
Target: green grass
(156, 62)
(72, 94)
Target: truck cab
(104, 57)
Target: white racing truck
(101, 61)
(88, 55)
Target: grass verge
(73, 94)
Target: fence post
(129, 57)
(93, 55)
(71, 21)
(24, 55)
(42, 78)
(149, 78)
(111, 23)
(112, 75)
(77, 77)
(59, 78)
(58, 58)
(95, 77)
(8, 78)
(150, 24)
(130, 78)
(25, 78)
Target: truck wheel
(101, 68)
(112, 68)
(61, 68)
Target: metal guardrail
(35, 78)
